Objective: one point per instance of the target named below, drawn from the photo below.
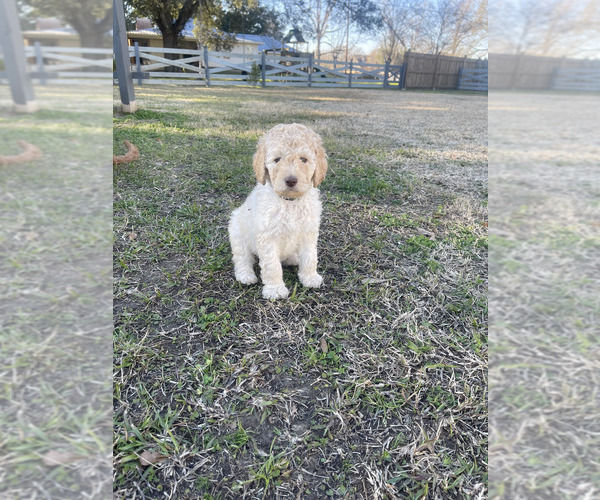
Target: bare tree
(553, 28)
(389, 47)
(452, 27)
(91, 19)
(362, 15)
(313, 16)
(469, 33)
(334, 44)
(403, 27)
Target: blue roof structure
(267, 43)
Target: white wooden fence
(152, 65)
(473, 79)
(583, 79)
(69, 65)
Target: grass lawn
(372, 387)
(545, 305)
(55, 297)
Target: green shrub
(255, 75)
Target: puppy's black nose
(291, 181)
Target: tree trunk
(171, 41)
(93, 39)
(92, 32)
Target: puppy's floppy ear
(258, 162)
(321, 169)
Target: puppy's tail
(131, 155)
(30, 153)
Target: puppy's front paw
(311, 281)
(274, 292)
(246, 277)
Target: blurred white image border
(55, 248)
(544, 263)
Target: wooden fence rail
(69, 65)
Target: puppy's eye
(276, 160)
(303, 160)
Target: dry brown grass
(544, 268)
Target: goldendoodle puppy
(279, 221)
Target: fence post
(515, 75)
(435, 71)
(138, 64)
(385, 76)
(556, 73)
(13, 53)
(263, 62)
(123, 65)
(350, 76)
(310, 68)
(39, 59)
(405, 70)
(460, 71)
(206, 69)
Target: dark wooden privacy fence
(428, 71)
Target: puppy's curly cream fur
(279, 221)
